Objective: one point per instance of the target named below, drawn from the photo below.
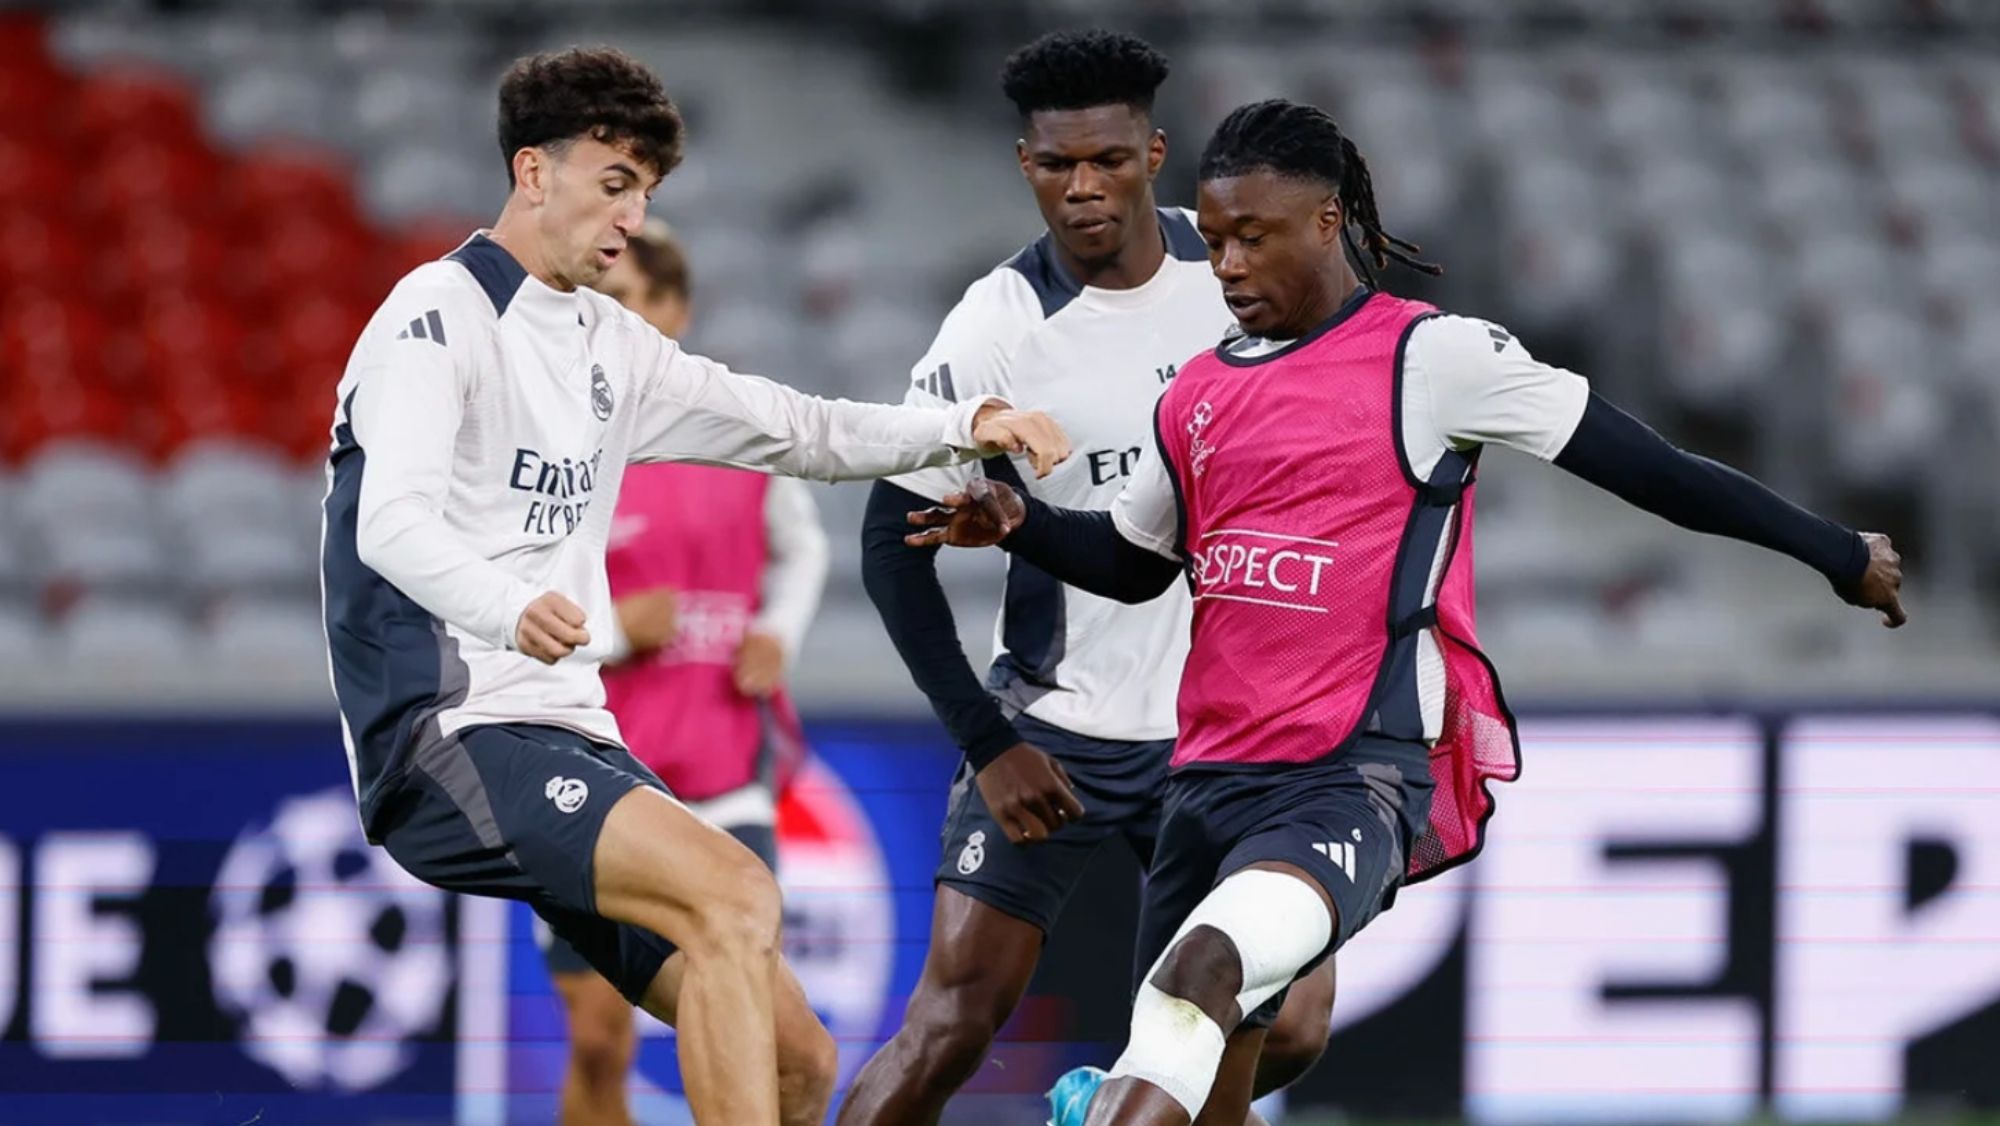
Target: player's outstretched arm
(1627, 458)
(697, 410)
(1085, 549)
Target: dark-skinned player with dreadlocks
(1314, 484)
(1067, 742)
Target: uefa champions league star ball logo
(600, 393)
(332, 957)
(1200, 448)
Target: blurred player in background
(1313, 482)
(709, 609)
(489, 401)
(1067, 742)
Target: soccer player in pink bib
(1314, 483)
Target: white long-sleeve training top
(483, 426)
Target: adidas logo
(430, 326)
(1340, 852)
(939, 383)
(1499, 335)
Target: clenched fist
(550, 629)
(998, 427)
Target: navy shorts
(1120, 785)
(1349, 821)
(562, 958)
(514, 811)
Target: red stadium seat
(414, 244)
(151, 176)
(32, 94)
(192, 403)
(129, 103)
(282, 184)
(23, 38)
(315, 337)
(161, 252)
(35, 177)
(34, 415)
(311, 256)
(303, 421)
(43, 254)
(44, 332)
(184, 330)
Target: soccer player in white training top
(482, 429)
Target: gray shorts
(562, 958)
(1120, 785)
(1348, 821)
(514, 811)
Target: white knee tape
(1174, 1046)
(1276, 922)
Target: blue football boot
(1069, 1099)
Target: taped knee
(1174, 1046)
(1276, 923)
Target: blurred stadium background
(1754, 867)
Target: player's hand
(981, 516)
(550, 629)
(1028, 794)
(650, 618)
(998, 427)
(760, 665)
(1881, 585)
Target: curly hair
(1304, 141)
(558, 97)
(1083, 69)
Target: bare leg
(661, 868)
(601, 1044)
(980, 961)
(1298, 1037)
(807, 1058)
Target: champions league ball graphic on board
(331, 956)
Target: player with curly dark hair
(1066, 742)
(488, 403)
(1340, 729)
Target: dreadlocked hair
(1303, 141)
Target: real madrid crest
(600, 393)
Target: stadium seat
(34, 177)
(1810, 196)
(400, 103)
(1771, 109)
(268, 101)
(108, 634)
(13, 541)
(23, 640)
(408, 181)
(1889, 401)
(288, 181)
(264, 634)
(90, 509)
(137, 175)
(123, 104)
